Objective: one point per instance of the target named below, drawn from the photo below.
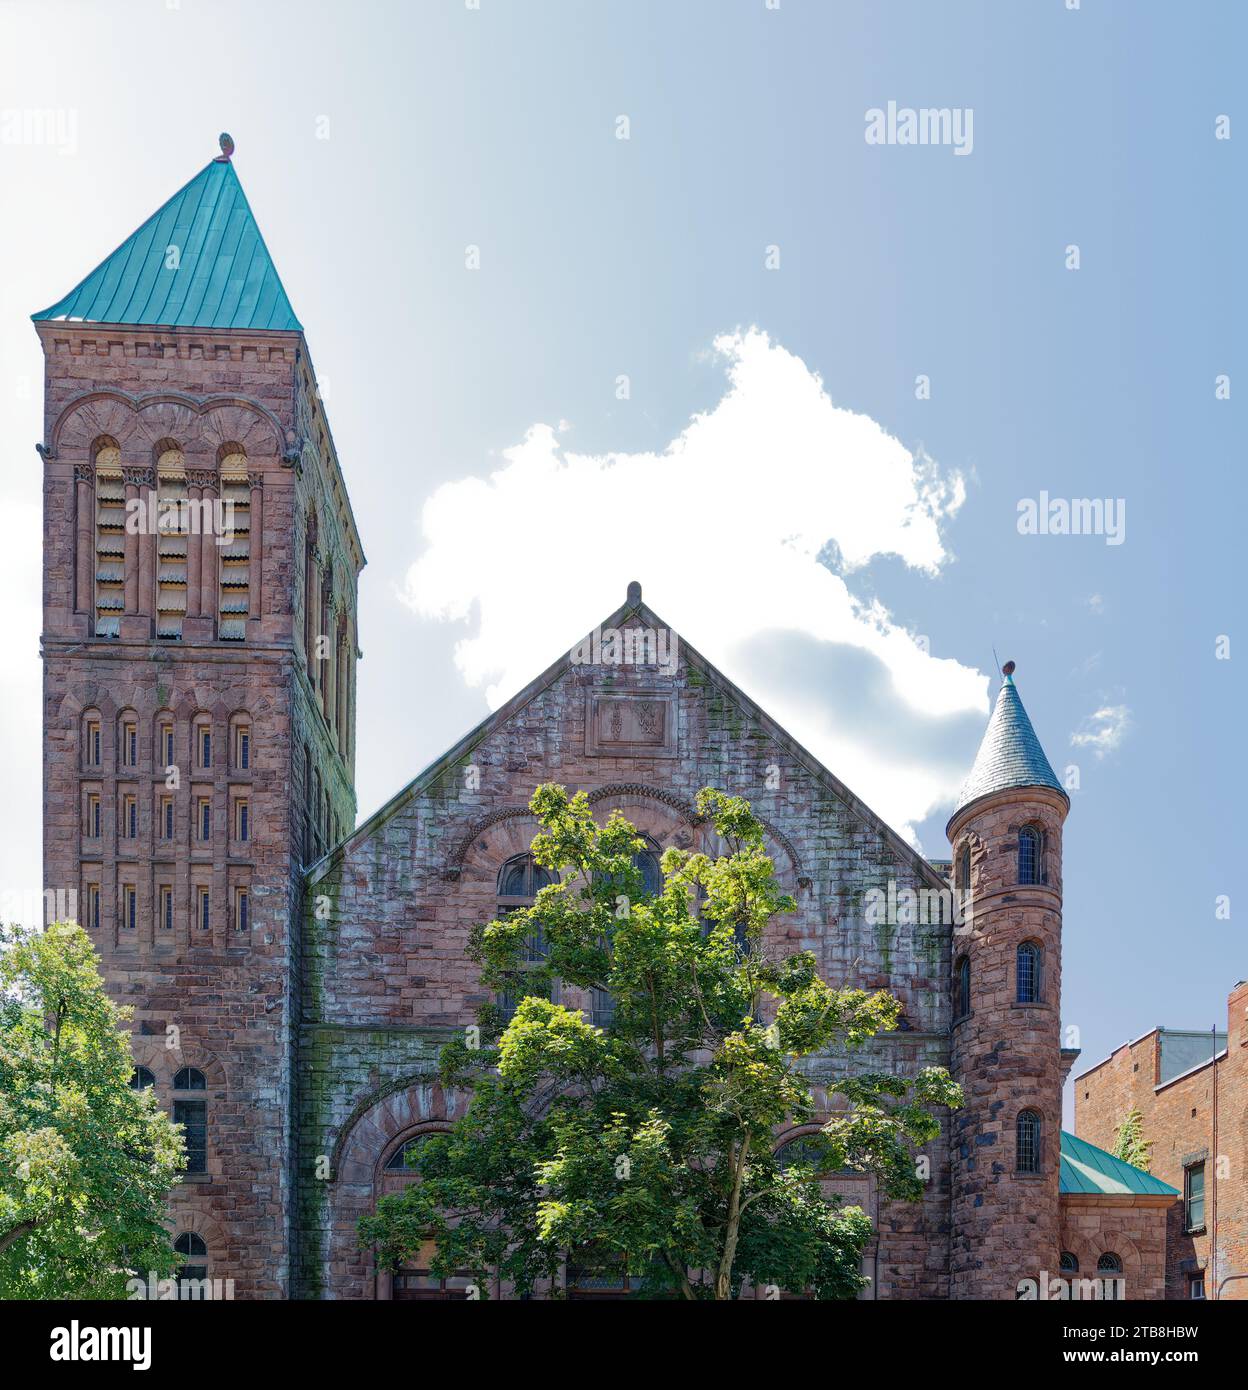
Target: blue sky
(377, 141)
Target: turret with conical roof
(1006, 836)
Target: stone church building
(293, 973)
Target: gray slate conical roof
(1010, 754)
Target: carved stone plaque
(636, 723)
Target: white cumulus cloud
(1103, 730)
(724, 528)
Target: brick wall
(1179, 1119)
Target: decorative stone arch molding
(140, 422)
(407, 1105)
(665, 817)
(390, 1111)
(165, 1062)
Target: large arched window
(110, 540)
(1027, 1142)
(173, 536)
(806, 1151)
(519, 882)
(192, 1115)
(522, 877)
(235, 554)
(141, 1078)
(1029, 844)
(962, 988)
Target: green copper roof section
(1010, 754)
(1085, 1168)
(198, 262)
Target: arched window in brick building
(1027, 1142)
(1028, 960)
(1029, 845)
(1109, 1268)
(519, 882)
(962, 988)
(192, 1247)
(110, 540)
(173, 537)
(192, 1115)
(235, 553)
(1069, 1263)
(141, 1078)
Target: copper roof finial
(1008, 669)
(227, 148)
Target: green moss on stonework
(885, 935)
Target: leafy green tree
(645, 1147)
(1130, 1143)
(85, 1160)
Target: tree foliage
(85, 1160)
(1130, 1144)
(646, 1145)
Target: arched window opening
(173, 536)
(519, 882)
(1070, 1263)
(191, 1247)
(1028, 855)
(110, 541)
(1027, 962)
(407, 1155)
(235, 550)
(805, 1151)
(1109, 1267)
(141, 1078)
(962, 989)
(1027, 1142)
(192, 1115)
(963, 876)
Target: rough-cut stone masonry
(385, 974)
(222, 992)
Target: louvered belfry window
(235, 555)
(172, 539)
(110, 542)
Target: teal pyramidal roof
(221, 275)
(1010, 754)
(1085, 1168)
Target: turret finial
(226, 142)
(634, 593)
(1008, 669)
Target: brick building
(293, 975)
(1191, 1090)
